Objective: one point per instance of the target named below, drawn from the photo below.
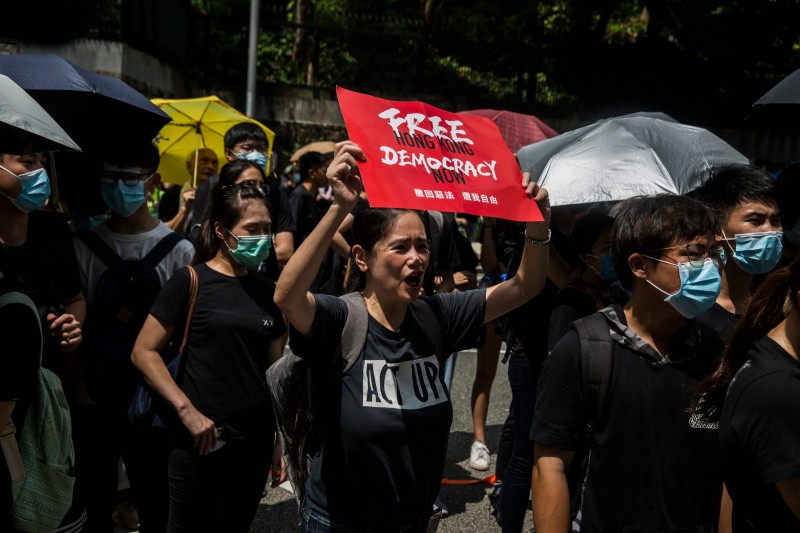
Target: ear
(218, 231)
(229, 155)
(360, 257)
(155, 181)
(637, 263)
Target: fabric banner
(422, 157)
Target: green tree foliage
(708, 59)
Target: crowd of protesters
(651, 346)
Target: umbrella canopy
(517, 129)
(623, 157)
(25, 127)
(323, 147)
(101, 112)
(196, 123)
(780, 106)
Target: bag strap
(99, 247)
(162, 248)
(354, 334)
(596, 349)
(194, 288)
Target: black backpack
(287, 379)
(125, 293)
(596, 350)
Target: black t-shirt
(655, 466)
(574, 301)
(387, 420)
(45, 270)
(169, 203)
(720, 320)
(234, 322)
(760, 438)
(306, 213)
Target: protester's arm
(146, 358)
(725, 524)
(530, 276)
(284, 247)
(178, 222)
(291, 292)
(789, 490)
(549, 488)
(488, 251)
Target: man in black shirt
(652, 466)
(742, 198)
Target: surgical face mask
(607, 271)
(259, 158)
(699, 287)
(251, 250)
(757, 253)
(121, 198)
(35, 189)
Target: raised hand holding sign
(422, 157)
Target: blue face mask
(259, 158)
(123, 199)
(757, 253)
(251, 250)
(35, 189)
(607, 270)
(699, 287)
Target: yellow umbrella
(196, 123)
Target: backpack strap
(596, 350)
(162, 248)
(354, 334)
(99, 247)
(194, 288)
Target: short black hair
(244, 131)
(143, 154)
(311, 160)
(646, 224)
(587, 229)
(733, 184)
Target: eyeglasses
(259, 147)
(128, 178)
(697, 254)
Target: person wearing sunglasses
(644, 464)
(743, 200)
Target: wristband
(545, 242)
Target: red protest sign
(422, 157)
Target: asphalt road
(468, 504)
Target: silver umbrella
(25, 127)
(626, 156)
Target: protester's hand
(188, 197)
(66, 329)
(203, 431)
(279, 474)
(343, 174)
(540, 194)
(465, 280)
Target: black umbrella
(779, 108)
(99, 112)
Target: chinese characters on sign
(421, 157)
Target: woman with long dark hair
(224, 432)
(755, 396)
(386, 421)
